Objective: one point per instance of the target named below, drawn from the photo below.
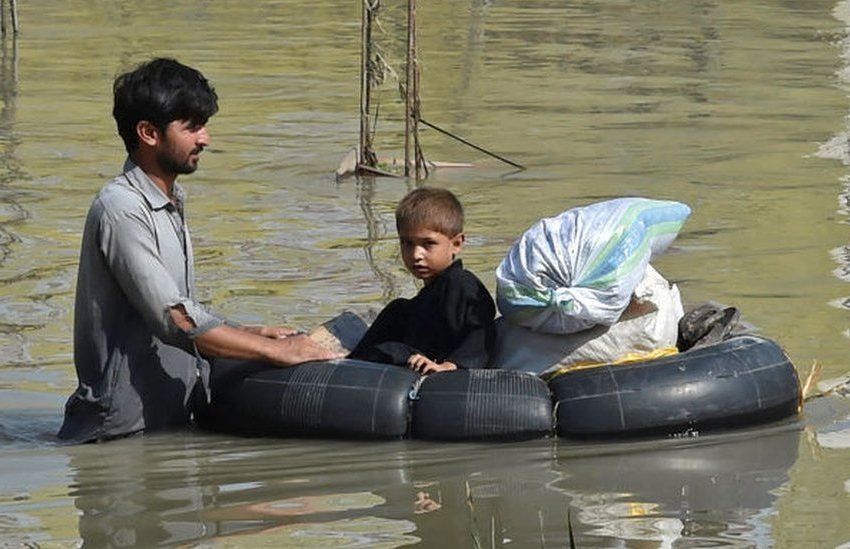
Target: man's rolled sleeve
(202, 319)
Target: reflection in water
(168, 490)
(715, 493)
(374, 232)
(14, 313)
(838, 148)
(10, 169)
(184, 489)
(471, 61)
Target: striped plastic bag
(576, 270)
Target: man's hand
(425, 365)
(295, 349)
(281, 347)
(274, 332)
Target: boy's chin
(421, 274)
(426, 278)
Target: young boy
(449, 324)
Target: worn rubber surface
(741, 381)
(745, 380)
(345, 398)
(482, 405)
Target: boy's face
(428, 253)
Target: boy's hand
(425, 365)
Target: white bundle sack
(649, 323)
(579, 269)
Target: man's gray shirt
(136, 368)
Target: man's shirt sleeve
(129, 247)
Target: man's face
(427, 253)
(180, 148)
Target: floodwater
(738, 109)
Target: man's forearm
(228, 342)
(275, 345)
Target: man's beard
(170, 165)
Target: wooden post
(412, 100)
(418, 157)
(14, 9)
(364, 82)
(409, 84)
(414, 111)
(13, 15)
(366, 156)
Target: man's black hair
(161, 91)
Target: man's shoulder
(117, 195)
(116, 203)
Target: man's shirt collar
(153, 195)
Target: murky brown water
(738, 109)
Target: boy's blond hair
(430, 208)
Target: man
(140, 335)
